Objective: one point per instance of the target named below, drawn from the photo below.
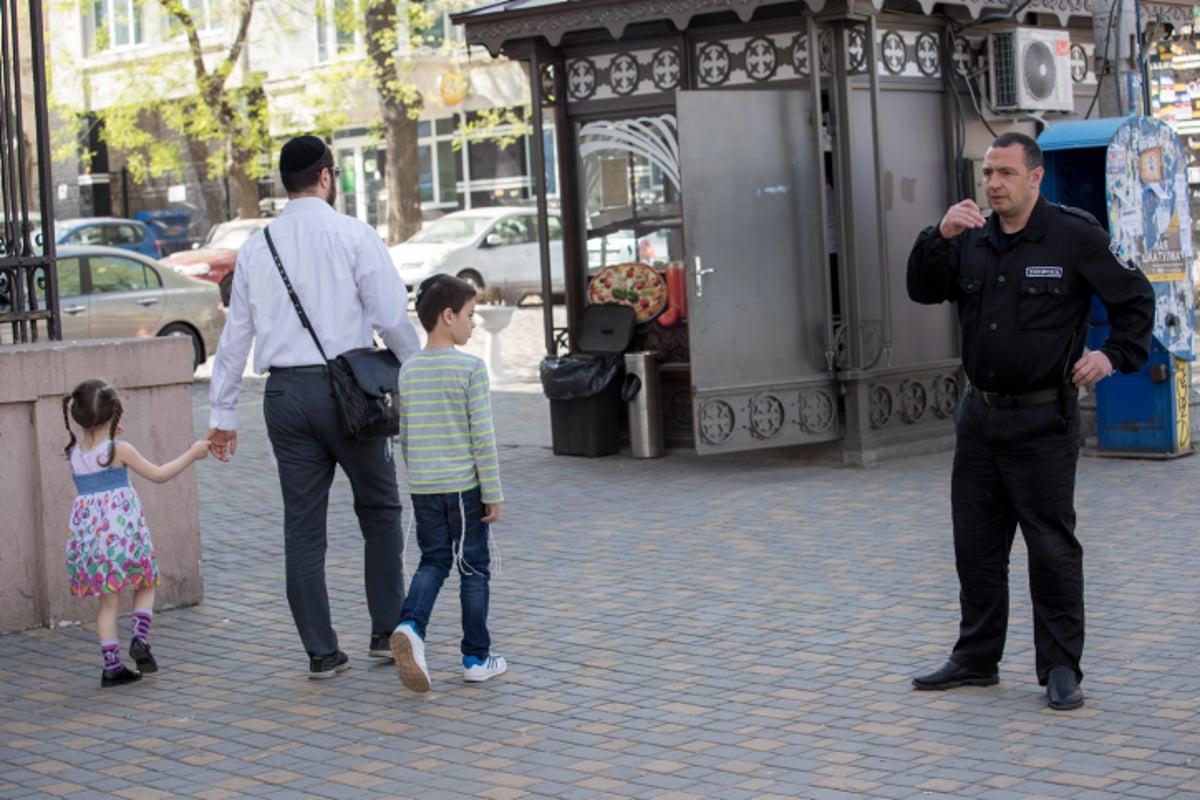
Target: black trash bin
(584, 387)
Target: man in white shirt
(345, 280)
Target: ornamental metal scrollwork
(581, 79)
(893, 52)
(664, 69)
(1079, 63)
(761, 61)
(945, 395)
(766, 416)
(914, 401)
(715, 421)
(800, 60)
(928, 59)
(879, 408)
(816, 411)
(623, 74)
(713, 63)
(825, 50)
(549, 84)
(856, 49)
(872, 346)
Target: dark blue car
(110, 232)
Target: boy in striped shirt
(454, 478)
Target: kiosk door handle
(700, 273)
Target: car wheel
(226, 285)
(179, 329)
(472, 277)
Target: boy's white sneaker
(480, 669)
(409, 652)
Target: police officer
(1023, 279)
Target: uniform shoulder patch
(1115, 249)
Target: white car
(492, 247)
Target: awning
(495, 25)
(1080, 133)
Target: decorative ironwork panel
(627, 73)
(781, 415)
(750, 60)
(913, 400)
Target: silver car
(495, 246)
(106, 292)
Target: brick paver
(733, 627)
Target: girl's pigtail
(67, 422)
(112, 432)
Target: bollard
(641, 392)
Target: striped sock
(112, 654)
(141, 623)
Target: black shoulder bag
(364, 380)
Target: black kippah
(301, 153)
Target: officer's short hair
(1033, 153)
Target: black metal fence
(28, 280)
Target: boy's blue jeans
(443, 520)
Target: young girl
(109, 549)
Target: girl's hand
(199, 449)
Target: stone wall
(154, 377)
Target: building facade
(308, 61)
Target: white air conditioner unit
(1030, 70)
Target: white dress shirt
(345, 279)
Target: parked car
(127, 234)
(495, 246)
(214, 258)
(106, 292)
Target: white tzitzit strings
(456, 547)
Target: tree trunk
(402, 169)
(401, 172)
(245, 189)
(212, 192)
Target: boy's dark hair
(306, 178)
(93, 403)
(1033, 153)
(439, 292)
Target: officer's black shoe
(952, 675)
(380, 646)
(1062, 689)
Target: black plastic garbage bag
(580, 375)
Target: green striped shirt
(446, 430)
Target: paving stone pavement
(684, 627)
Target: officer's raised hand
(960, 217)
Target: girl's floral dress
(109, 549)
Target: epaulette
(1079, 212)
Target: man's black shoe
(140, 650)
(1062, 689)
(115, 677)
(381, 646)
(951, 675)
(322, 667)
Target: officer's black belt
(298, 370)
(1001, 400)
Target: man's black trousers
(302, 424)
(1016, 466)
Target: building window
(440, 164)
(433, 26)
(115, 23)
(337, 29)
(206, 16)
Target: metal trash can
(640, 391)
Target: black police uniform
(1023, 306)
